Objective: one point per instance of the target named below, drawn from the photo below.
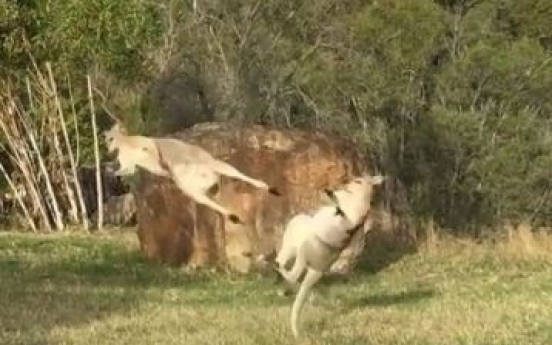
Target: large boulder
(119, 210)
(173, 229)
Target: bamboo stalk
(31, 135)
(71, 158)
(32, 187)
(19, 200)
(99, 188)
(23, 165)
(54, 203)
(74, 112)
(29, 92)
(70, 195)
(32, 105)
(76, 160)
(30, 167)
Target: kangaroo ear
(113, 130)
(378, 179)
(118, 127)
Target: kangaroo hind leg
(203, 199)
(196, 183)
(226, 169)
(292, 276)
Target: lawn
(77, 289)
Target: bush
(450, 96)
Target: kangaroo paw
(235, 219)
(274, 191)
(270, 257)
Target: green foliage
(494, 71)
(529, 18)
(485, 168)
(451, 96)
(16, 21)
(113, 34)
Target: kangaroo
(194, 171)
(315, 242)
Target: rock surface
(120, 210)
(173, 229)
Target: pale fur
(315, 242)
(194, 171)
(132, 151)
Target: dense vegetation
(453, 97)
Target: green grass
(76, 289)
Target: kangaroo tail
(311, 278)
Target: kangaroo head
(113, 136)
(354, 198)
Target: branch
(99, 188)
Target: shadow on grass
(404, 298)
(50, 283)
(382, 250)
(385, 300)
